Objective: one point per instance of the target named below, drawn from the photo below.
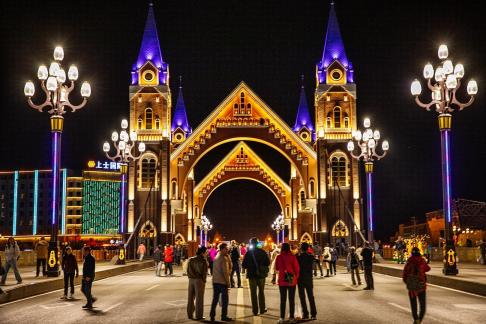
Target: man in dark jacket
(367, 254)
(235, 260)
(256, 263)
(305, 283)
(70, 267)
(197, 272)
(88, 277)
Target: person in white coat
(12, 254)
(358, 252)
(326, 258)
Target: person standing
(334, 258)
(326, 257)
(235, 260)
(360, 257)
(88, 277)
(70, 268)
(168, 259)
(177, 254)
(41, 252)
(305, 284)
(353, 261)
(12, 254)
(242, 252)
(197, 272)
(212, 255)
(141, 251)
(288, 274)
(221, 282)
(416, 280)
(317, 259)
(158, 255)
(367, 254)
(273, 257)
(256, 263)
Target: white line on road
(240, 311)
(400, 306)
(481, 307)
(56, 305)
(150, 288)
(111, 307)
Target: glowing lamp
(350, 146)
(448, 67)
(106, 147)
(73, 73)
(371, 143)
(443, 52)
(42, 72)
(124, 135)
(61, 76)
(459, 70)
(416, 88)
(122, 145)
(133, 136)
(29, 89)
(124, 124)
(472, 87)
(141, 147)
(367, 122)
(376, 134)
(358, 136)
(428, 71)
(114, 136)
(439, 74)
(53, 68)
(451, 82)
(51, 83)
(58, 53)
(85, 89)
(385, 146)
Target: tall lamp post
(54, 84)
(206, 226)
(279, 227)
(444, 100)
(367, 142)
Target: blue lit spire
(303, 116)
(180, 116)
(334, 48)
(150, 49)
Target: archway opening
(242, 209)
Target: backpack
(413, 282)
(354, 261)
(261, 270)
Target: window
(338, 170)
(174, 189)
(148, 118)
(148, 171)
(336, 113)
(311, 188)
(302, 200)
(139, 123)
(328, 122)
(346, 120)
(157, 123)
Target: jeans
(39, 262)
(283, 300)
(158, 268)
(68, 280)
(413, 305)
(355, 271)
(368, 274)
(303, 288)
(316, 264)
(219, 289)
(333, 267)
(168, 266)
(257, 283)
(236, 269)
(195, 292)
(11, 264)
(86, 290)
(141, 257)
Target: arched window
(336, 114)
(287, 210)
(139, 123)
(149, 165)
(328, 121)
(338, 170)
(242, 103)
(302, 200)
(174, 189)
(311, 188)
(157, 122)
(346, 120)
(235, 109)
(148, 118)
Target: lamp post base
(450, 265)
(53, 259)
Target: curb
(33, 289)
(442, 281)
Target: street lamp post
(367, 142)
(279, 227)
(447, 81)
(53, 84)
(206, 226)
(124, 143)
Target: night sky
(268, 44)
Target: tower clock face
(336, 75)
(148, 76)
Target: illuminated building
(74, 206)
(163, 196)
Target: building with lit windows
(74, 206)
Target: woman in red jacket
(168, 259)
(288, 272)
(416, 280)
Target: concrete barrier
(27, 290)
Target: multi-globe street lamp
(124, 144)
(444, 100)
(279, 227)
(367, 142)
(56, 87)
(206, 226)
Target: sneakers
(226, 319)
(292, 320)
(264, 311)
(64, 297)
(87, 307)
(280, 321)
(313, 318)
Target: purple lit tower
(150, 116)
(335, 120)
(180, 127)
(303, 123)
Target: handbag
(414, 283)
(289, 277)
(261, 271)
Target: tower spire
(303, 118)
(180, 116)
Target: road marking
(154, 286)
(177, 303)
(56, 305)
(481, 307)
(400, 307)
(111, 307)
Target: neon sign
(104, 165)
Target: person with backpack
(288, 273)
(416, 280)
(353, 261)
(256, 263)
(326, 256)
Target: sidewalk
(31, 285)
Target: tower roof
(150, 48)
(180, 116)
(334, 46)
(303, 116)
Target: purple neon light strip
(56, 137)
(122, 203)
(369, 201)
(447, 175)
